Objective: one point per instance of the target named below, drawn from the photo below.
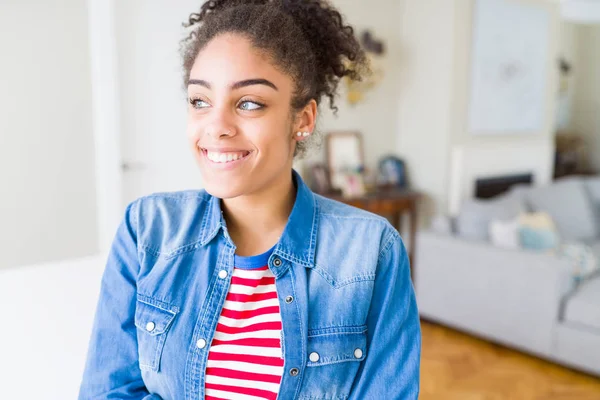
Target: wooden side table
(389, 203)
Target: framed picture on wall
(345, 156)
(510, 67)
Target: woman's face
(239, 118)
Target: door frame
(106, 118)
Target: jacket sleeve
(111, 370)
(390, 369)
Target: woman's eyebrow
(250, 82)
(237, 85)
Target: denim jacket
(344, 288)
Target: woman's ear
(304, 125)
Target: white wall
(47, 206)
(426, 29)
(569, 50)
(586, 104)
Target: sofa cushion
(595, 247)
(592, 185)
(570, 207)
(583, 307)
(475, 215)
(519, 191)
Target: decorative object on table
(353, 184)
(510, 67)
(375, 51)
(392, 172)
(344, 152)
(371, 179)
(319, 178)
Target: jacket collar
(298, 241)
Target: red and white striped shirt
(245, 361)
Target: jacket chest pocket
(153, 320)
(334, 357)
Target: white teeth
(218, 157)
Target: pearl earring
(305, 134)
(299, 134)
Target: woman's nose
(220, 126)
(219, 132)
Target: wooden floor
(458, 366)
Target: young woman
(256, 288)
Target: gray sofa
(520, 298)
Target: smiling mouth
(225, 156)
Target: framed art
(509, 67)
(345, 156)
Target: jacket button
(222, 274)
(358, 353)
(294, 371)
(289, 299)
(150, 326)
(201, 343)
(277, 262)
(314, 357)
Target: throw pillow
(592, 185)
(505, 233)
(475, 215)
(569, 204)
(581, 258)
(537, 231)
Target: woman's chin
(223, 190)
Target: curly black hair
(307, 39)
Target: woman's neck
(256, 221)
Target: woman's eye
(250, 105)
(197, 103)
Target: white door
(47, 171)
(155, 152)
